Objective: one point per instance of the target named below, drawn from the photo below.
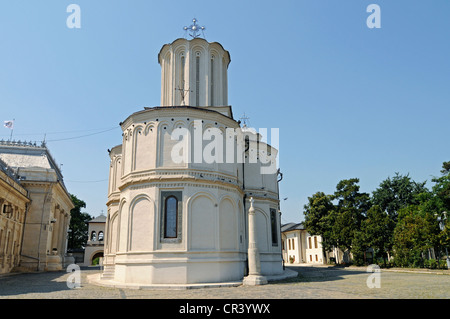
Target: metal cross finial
(195, 29)
(244, 120)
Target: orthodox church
(193, 196)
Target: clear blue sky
(349, 101)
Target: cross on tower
(194, 28)
(183, 94)
(244, 120)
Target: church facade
(180, 182)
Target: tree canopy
(78, 225)
(401, 218)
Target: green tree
(396, 193)
(319, 218)
(445, 168)
(78, 224)
(350, 210)
(437, 204)
(414, 233)
(376, 228)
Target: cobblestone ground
(312, 282)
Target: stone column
(254, 265)
(55, 222)
(62, 230)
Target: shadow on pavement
(320, 274)
(36, 282)
(24, 283)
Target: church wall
(203, 223)
(141, 224)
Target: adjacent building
(299, 247)
(35, 209)
(14, 203)
(93, 251)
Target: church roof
(292, 226)
(188, 108)
(98, 219)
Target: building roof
(30, 162)
(292, 226)
(195, 40)
(17, 154)
(99, 219)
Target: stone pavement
(311, 283)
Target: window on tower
(197, 79)
(212, 81)
(171, 216)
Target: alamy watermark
(74, 279)
(74, 19)
(232, 145)
(374, 19)
(374, 280)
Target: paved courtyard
(312, 283)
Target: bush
(443, 264)
(96, 261)
(430, 263)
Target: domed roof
(195, 40)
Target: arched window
(274, 226)
(100, 236)
(93, 236)
(170, 217)
(183, 63)
(212, 81)
(197, 79)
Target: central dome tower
(194, 73)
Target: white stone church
(179, 188)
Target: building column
(56, 221)
(62, 229)
(254, 264)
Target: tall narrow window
(212, 81)
(170, 214)
(197, 80)
(315, 242)
(273, 221)
(309, 242)
(183, 63)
